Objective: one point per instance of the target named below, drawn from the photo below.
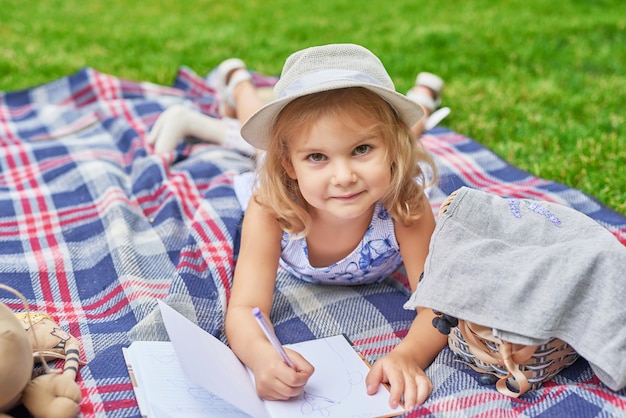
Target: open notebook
(197, 375)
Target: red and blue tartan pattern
(94, 229)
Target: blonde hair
(281, 194)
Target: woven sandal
(432, 82)
(236, 69)
(436, 84)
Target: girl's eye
(316, 157)
(362, 149)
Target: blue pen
(271, 336)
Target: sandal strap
(422, 99)
(226, 68)
(239, 76)
(433, 82)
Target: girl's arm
(253, 286)
(414, 241)
(404, 367)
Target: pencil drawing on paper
(320, 399)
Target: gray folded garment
(532, 271)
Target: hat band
(308, 81)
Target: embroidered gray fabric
(531, 270)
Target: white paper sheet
(156, 367)
(207, 362)
(336, 388)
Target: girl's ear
(286, 163)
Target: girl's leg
(247, 100)
(418, 128)
(427, 92)
(241, 98)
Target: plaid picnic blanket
(95, 228)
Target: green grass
(541, 83)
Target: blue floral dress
(376, 256)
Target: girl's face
(341, 167)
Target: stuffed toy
(29, 337)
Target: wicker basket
(518, 368)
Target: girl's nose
(343, 174)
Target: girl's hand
(401, 370)
(274, 379)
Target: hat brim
(258, 128)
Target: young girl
(336, 202)
(337, 179)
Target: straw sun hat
(323, 68)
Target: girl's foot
(427, 92)
(230, 74)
